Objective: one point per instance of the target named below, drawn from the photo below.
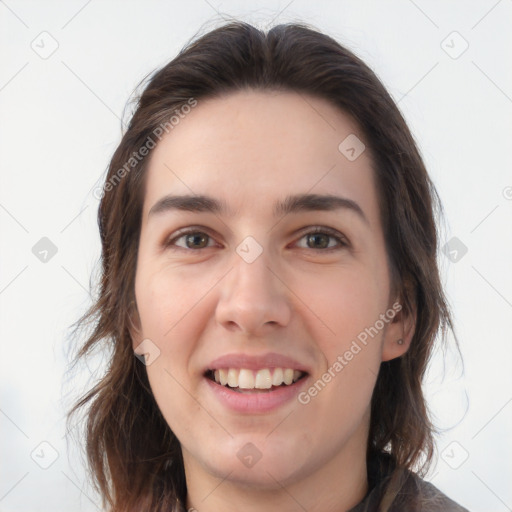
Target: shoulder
(399, 490)
(407, 491)
(430, 498)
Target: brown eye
(196, 240)
(324, 239)
(191, 239)
(318, 240)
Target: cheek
(172, 312)
(345, 303)
(170, 390)
(166, 300)
(170, 317)
(349, 305)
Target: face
(265, 326)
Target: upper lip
(256, 362)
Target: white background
(60, 123)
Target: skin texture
(250, 149)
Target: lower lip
(257, 402)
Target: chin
(258, 461)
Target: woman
(269, 255)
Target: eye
(192, 239)
(320, 238)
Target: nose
(254, 298)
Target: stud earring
(400, 341)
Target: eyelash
(342, 241)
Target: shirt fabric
(401, 491)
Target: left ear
(399, 332)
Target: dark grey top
(401, 491)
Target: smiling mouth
(255, 381)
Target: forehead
(252, 148)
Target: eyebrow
(291, 204)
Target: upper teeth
(261, 379)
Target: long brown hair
(134, 457)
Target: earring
(400, 341)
